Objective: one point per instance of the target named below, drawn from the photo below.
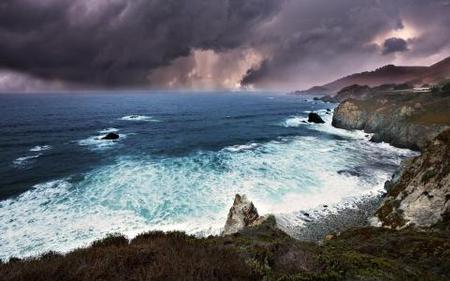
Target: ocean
(179, 161)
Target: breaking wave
(98, 143)
(39, 148)
(142, 118)
(193, 193)
(21, 161)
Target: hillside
(391, 74)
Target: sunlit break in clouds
(211, 44)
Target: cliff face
(408, 120)
(419, 195)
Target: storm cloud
(314, 42)
(119, 41)
(393, 45)
(276, 44)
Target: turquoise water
(178, 162)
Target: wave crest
(141, 118)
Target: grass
(261, 253)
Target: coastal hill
(389, 74)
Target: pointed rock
(242, 214)
(315, 118)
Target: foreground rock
(110, 136)
(408, 120)
(242, 214)
(315, 118)
(419, 195)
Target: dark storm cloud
(312, 42)
(116, 42)
(393, 45)
(255, 73)
(298, 43)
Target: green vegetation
(260, 253)
(428, 175)
(442, 88)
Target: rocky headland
(419, 192)
(407, 119)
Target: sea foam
(98, 143)
(39, 148)
(193, 193)
(21, 161)
(141, 118)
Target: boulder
(110, 136)
(315, 118)
(242, 214)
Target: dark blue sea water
(179, 161)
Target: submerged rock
(110, 136)
(315, 118)
(242, 214)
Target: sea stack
(315, 118)
(242, 214)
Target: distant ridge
(391, 74)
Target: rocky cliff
(408, 120)
(419, 194)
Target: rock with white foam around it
(315, 118)
(242, 214)
(110, 136)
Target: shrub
(113, 239)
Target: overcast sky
(212, 44)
